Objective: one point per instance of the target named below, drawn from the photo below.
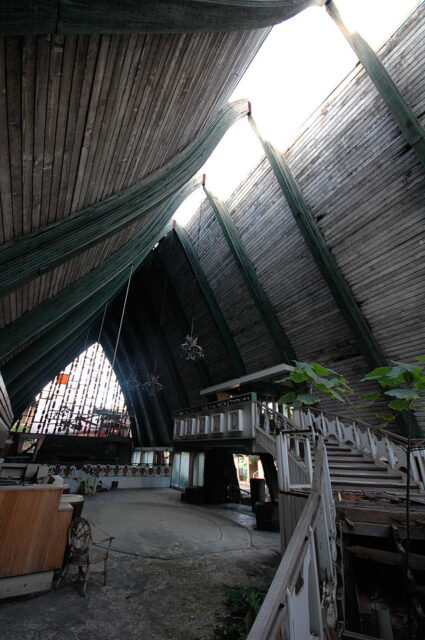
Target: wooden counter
(33, 527)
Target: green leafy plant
(239, 600)
(404, 384)
(321, 382)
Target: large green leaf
(308, 398)
(370, 396)
(288, 398)
(377, 373)
(404, 394)
(388, 417)
(399, 405)
(320, 369)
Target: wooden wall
(6, 414)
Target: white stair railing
(386, 448)
(304, 587)
(270, 424)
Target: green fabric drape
(86, 297)
(26, 258)
(143, 16)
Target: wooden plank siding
(33, 529)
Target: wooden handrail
(366, 425)
(276, 594)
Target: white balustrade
(303, 591)
(131, 476)
(384, 447)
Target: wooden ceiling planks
(85, 116)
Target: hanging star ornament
(191, 350)
(152, 386)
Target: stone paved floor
(169, 569)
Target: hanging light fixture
(152, 386)
(190, 349)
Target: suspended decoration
(190, 349)
(152, 386)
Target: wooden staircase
(351, 470)
(361, 459)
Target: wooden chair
(83, 553)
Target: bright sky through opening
(300, 63)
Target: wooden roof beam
(137, 431)
(400, 110)
(149, 16)
(251, 279)
(257, 376)
(179, 314)
(34, 378)
(209, 298)
(130, 320)
(123, 360)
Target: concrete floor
(169, 569)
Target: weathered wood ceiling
(84, 117)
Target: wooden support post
(165, 349)
(250, 277)
(180, 315)
(215, 311)
(270, 475)
(400, 110)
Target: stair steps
(353, 470)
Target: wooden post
(250, 277)
(400, 110)
(215, 311)
(180, 315)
